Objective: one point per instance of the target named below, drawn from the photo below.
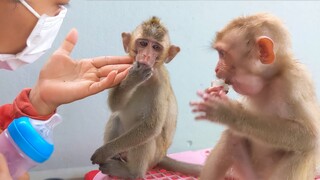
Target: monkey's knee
(138, 167)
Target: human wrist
(43, 108)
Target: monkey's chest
(141, 107)
(274, 107)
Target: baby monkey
(144, 109)
(273, 131)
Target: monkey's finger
(205, 96)
(69, 42)
(195, 103)
(213, 89)
(111, 60)
(201, 93)
(201, 107)
(201, 117)
(105, 70)
(223, 95)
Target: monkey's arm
(120, 95)
(290, 134)
(141, 133)
(285, 133)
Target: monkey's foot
(120, 157)
(116, 168)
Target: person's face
(17, 22)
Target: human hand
(63, 80)
(4, 171)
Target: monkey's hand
(216, 91)
(102, 154)
(213, 106)
(139, 73)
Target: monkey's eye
(221, 54)
(157, 47)
(143, 43)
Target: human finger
(105, 70)
(69, 42)
(120, 76)
(3, 165)
(107, 60)
(105, 83)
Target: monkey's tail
(179, 166)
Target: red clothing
(21, 107)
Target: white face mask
(38, 42)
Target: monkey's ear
(267, 55)
(126, 40)
(172, 52)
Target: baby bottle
(27, 142)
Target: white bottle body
(18, 162)
(27, 142)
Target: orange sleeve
(21, 106)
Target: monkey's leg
(231, 151)
(138, 162)
(298, 166)
(242, 160)
(219, 160)
(141, 158)
(115, 167)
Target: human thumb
(69, 42)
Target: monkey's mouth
(227, 81)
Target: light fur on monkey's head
(261, 24)
(153, 28)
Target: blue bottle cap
(29, 140)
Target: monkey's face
(148, 51)
(237, 69)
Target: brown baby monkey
(273, 131)
(144, 109)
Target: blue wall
(192, 26)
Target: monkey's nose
(216, 70)
(141, 63)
